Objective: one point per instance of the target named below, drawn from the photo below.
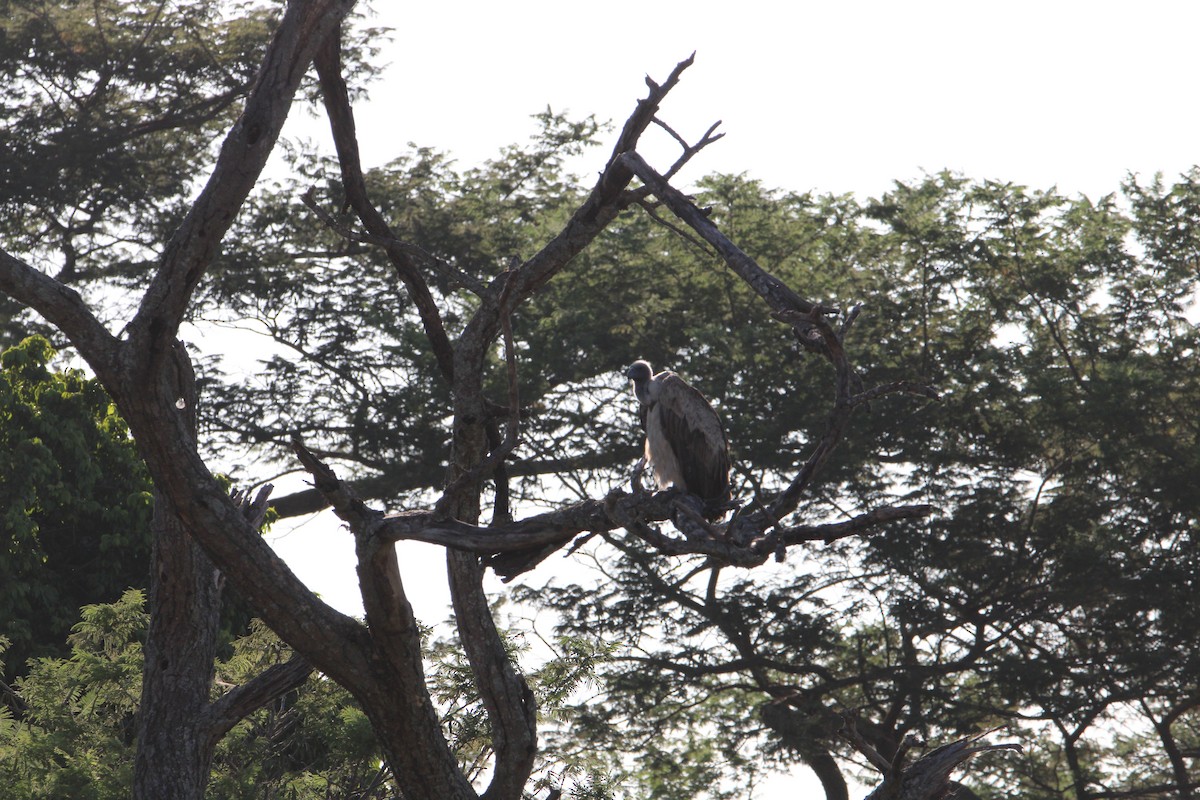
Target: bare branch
(671, 131)
(242, 700)
(396, 637)
(689, 150)
(362, 519)
(895, 387)
(831, 531)
(254, 509)
(928, 778)
(63, 307)
(642, 117)
(305, 25)
(652, 212)
(512, 430)
(341, 120)
(606, 200)
(396, 248)
(848, 321)
(518, 546)
(839, 416)
(409, 477)
(513, 427)
(507, 698)
(777, 294)
(849, 732)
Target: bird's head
(639, 371)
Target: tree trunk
(175, 749)
(178, 726)
(1179, 766)
(806, 735)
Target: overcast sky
(832, 96)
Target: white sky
(836, 97)
(833, 96)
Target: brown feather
(693, 430)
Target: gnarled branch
(928, 778)
(511, 547)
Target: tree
(74, 499)
(311, 742)
(77, 516)
(90, 89)
(93, 134)
(1036, 594)
(1007, 599)
(148, 372)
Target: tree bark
(174, 753)
(178, 728)
(803, 734)
(928, 778)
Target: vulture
(685, 440)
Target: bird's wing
(694, 431)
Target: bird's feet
(635, 479)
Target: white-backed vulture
(685, 440)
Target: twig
(336, 97)
(894, 387)
(652, 212)
(254, 510)
(346, 504)
(690, 151)
(929, 776)
(849, 320)
(832, 531)
(392, 245)
(849, 732)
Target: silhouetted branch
(928, 778)
(542, 534)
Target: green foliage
(1052, 583)
(108, 121)
(105, 101)
(557, 673)
(111, 108)
(357, 350)
(312, 743)
(1054, 589)
(75, 737)
(75, 501)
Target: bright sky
(832, 96)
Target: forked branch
(515, 547)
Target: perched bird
(685, 440)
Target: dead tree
(380, 662)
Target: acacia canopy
(452, 343)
